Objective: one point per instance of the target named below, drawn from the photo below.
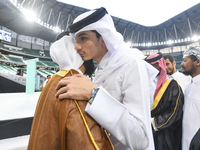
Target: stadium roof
(143, 12)
(51, 13)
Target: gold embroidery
(173, 111)
(62, 73)
(160, 93)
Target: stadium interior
(23, 40)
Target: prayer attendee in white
(191, 116)
(47, 79)
(172, 73)
(121, 104)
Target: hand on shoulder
(77, 87)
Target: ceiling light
(30, 15)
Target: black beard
(171, 72)
(189, 72)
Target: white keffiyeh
(192, 51)
(63, 53)
(120, 52)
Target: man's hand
(77, 87)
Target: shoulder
(174, 86)
(63, 73)
(173, 83)
(133, 63)
(132, 68)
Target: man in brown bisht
(167, 107)
(64, 125)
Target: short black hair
(193, 58)
(170, 57)
(89, 67)
(97, 34)
(59, 36)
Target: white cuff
(105, 109)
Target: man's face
(188, 66)
(156, 65)
(89, 46)
(169, 66)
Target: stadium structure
(25, 36)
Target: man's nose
(77, 46)
(182, 63)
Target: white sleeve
(44, 83)
(129, 121)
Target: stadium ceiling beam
(41, 10)
(117, 22)
(33, 4)
(144, 37)
(63, 21)
(124, 33)
(151, 37)
(132, 36)
(175, 32)
(49, 15)
(158, 39)
(189, 27)
(138, 36)
(129, 34)
(68, 22)
(52, 10)
(62, 8)
(165, 34)
(59, 13)
(58, 18)
(71, 14)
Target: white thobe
(45, 82)
(182, 79)
(121, 106)
(191, 116)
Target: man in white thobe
(121, 104)
(191, 116)
(47, 79)
(172, 73)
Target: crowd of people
(143, 104)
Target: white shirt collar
(195, 79)
(176, 73)
(173, 75)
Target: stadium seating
(31, 52)
(19, 60)
(49, 63)
(2, 57)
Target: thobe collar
(104, 61)
(175, 74)
(195, 79)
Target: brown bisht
(58, 125)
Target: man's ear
(102, 41)
(198, 62)
(174, 63)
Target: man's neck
(195, 74)
(174, 72)
(101, 55)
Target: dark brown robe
(58, 125)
